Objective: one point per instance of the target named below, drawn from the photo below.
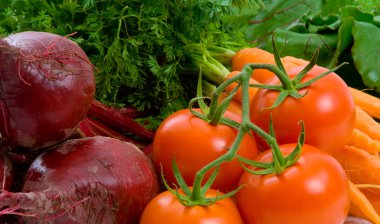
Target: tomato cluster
(312, 188)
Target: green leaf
(278, 14)
(366, 53)
(303, 45)
(333, 6)
(345, 40)
(356, 13)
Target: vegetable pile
(138, 112)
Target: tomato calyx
(191, 196)
(289, 86)
(280, 163)
(212, 114)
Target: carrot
(372, 193)
(293, 62)
(237, 97)
(361, 167)
(257, 55)
(234, 106)
(361, 206)
(367, 102)
(365, 123)
(361, 140)
(253, 55)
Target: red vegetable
(117, 120)
(90, 127)
(6, 172)
(86, 180)
(166, 206)
(313, 190)
(46, 87)
(193, 143)
(327, 110)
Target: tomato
(314, 190)
(194, 143)
(165, 208)
(327, 110)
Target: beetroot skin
(87, 180)
(6, 172)
(46, 87)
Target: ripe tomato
(165, 208)
(327, 110)
(194, 143)
(314, 190)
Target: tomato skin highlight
(194, 143)
(327, 111)
(314, 190)
(165, 208)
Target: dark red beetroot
(6, 172)
(87, 180)
(46, 87)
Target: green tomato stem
(286, 82)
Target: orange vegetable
(253, 55)
(367, 102)
(365, 123)
(361, 206)
(257, 55)
(361, 140)
(372, 194)
(361, 167)
(234, 106)
(252, 91)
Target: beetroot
(86, 180)
(46, 87)
(6, 172)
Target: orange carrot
(253, 55)
(361, 167)
(257, 55)
(234, 106)
(293, 62)
(361, 140)
(361, 206)
(372, 193)
(365, 123)
(252, 91)
(367, 102)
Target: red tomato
(165, 208)
(327, 110)
(194, 143)
(314, 190)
